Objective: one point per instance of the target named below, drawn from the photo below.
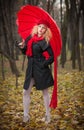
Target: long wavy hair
(47, 35)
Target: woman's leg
(26, 100)
(46, 103)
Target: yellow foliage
(67, 116)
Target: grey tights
(26, 99)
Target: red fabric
(53, 102)
(35, 39)
(46, 55)
(43, 21)
(30, 16)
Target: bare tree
(7, 42)
(73, 16)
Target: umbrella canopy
(29, 16)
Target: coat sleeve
(23, 50)
(25, 46)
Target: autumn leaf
(67, 116)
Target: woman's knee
(45, 92)
(25, 92)
(28, 91)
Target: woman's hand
(21, 44)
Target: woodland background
(69, 15)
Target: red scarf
(53, 102)
(35, 39)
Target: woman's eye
(39, 25)
(44, 28)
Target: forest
(69, 16)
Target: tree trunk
(23, 62)
(14, 67)
(77, 45)
(2, 66)
(72, 14)
(8, 47)
(83, 44)
(73, 44)
(64, 37)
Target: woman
(40, 55)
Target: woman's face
(41, 29)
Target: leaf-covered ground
(68, 115)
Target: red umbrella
(29, 16)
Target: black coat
(38, 66)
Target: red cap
(42, 21)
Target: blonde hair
(47, 35)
